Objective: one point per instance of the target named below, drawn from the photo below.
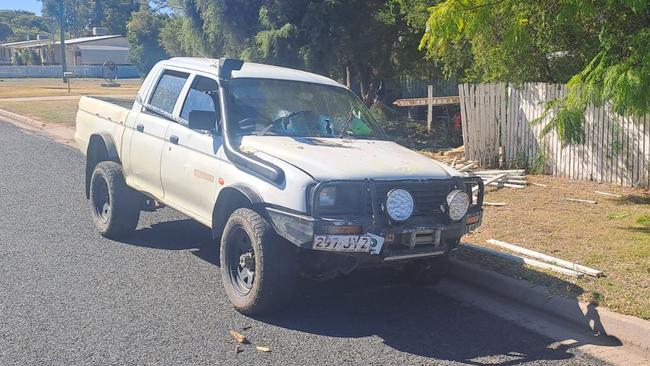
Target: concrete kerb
(627, 329)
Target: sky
(29, 5)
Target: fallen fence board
(495, 178)
(581, 201)
(546, 258)
(414, 102)
(523, 260)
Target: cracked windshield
(291, 108)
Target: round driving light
(458, 203)
(399, 204)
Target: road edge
(628, 329)
(60, 133)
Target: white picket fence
(54, 71)
(497, 126)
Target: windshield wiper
(346, 123)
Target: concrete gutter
(59, 132)
(628, 329)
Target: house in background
(8, 51)
(93, 50)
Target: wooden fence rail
(498, 128)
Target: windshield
(293, 108)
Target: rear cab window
(167, 91)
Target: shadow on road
(375, 302)
(414, 320)
(171, 235)
(182, 234)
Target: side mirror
(202, 120)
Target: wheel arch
(229, 199)
(101, 147)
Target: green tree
(369, 39)
(601, 48)
(26, 56)
(23, 25)
(82, 15)
(143, 33)
(117, 14)
(5, 32)
(78, 15)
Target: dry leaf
(240, 338)
(263, 349)
(238, 350)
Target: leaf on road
(238, 350)
(240, 338)
(263, 349)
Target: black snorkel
(248, 162)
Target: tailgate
(99, 116)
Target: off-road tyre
(121, 214)
(275, 264)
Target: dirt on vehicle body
(288, 168)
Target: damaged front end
(374, 222)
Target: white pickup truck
(289, 170)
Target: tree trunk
(347, 77)
(367, 85)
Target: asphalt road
(69, 296)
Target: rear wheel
(115, 207)
(258, 268)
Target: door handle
(173, 139)
(139, 127)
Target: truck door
(149, 132)
(190, 167)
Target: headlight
(327, 197)
(458, 203)
(399, 204)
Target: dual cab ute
(288, 169)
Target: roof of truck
(253, 70)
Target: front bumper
(300, 229)
(421, 236)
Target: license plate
(343, 243)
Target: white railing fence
(54, 71)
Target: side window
(168, 89)
(201, 106)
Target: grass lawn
(59, 111)
(15, 88)
(612, 235)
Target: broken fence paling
(547, 258)
(545, 261)
(580, 200)
(524, 260)
(510, 178)
(507, 178)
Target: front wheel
(258, 268)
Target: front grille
(428, 195)
(354, 197)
